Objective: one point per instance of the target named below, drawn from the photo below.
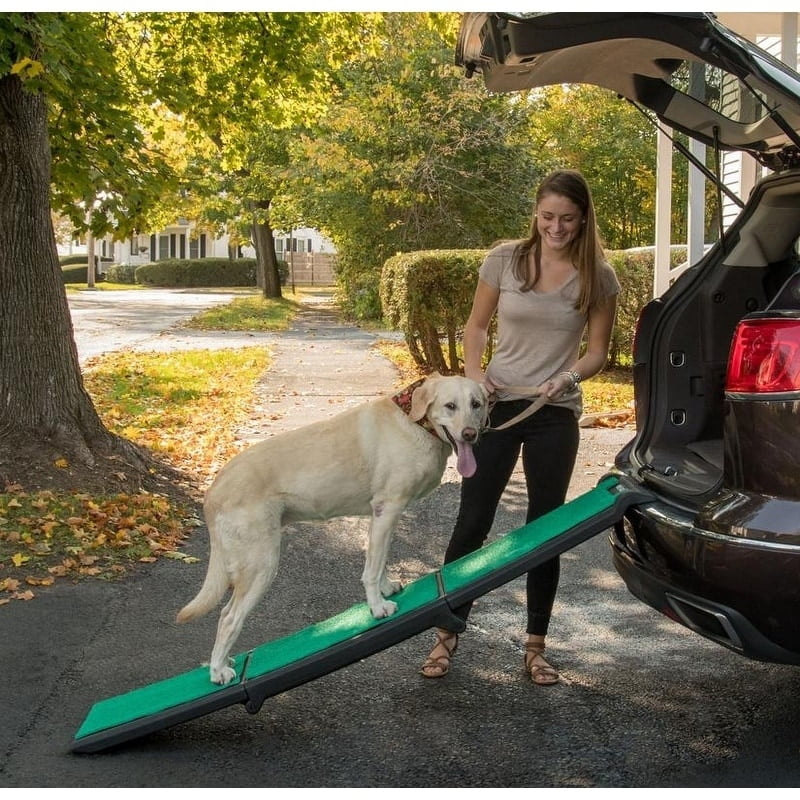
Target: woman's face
(559, 221)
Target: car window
(720, 91)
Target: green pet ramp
(326, 646)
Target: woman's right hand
(479, 376)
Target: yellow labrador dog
(372, 460)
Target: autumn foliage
(182, 407)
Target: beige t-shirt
(538, 334)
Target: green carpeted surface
(521, 542)
(152, 699)
(194, 685)
(336, 630)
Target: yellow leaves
(185, 406)
(47, 536)
(175, 555)
(48, 526)
(10, 587)
(48, 581)
(27, 68)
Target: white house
(181, 241)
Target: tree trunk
(264, 243)
(44, 407)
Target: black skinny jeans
(549, 443)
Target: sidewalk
(320, 367)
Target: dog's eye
(450, 406)
(476, 403)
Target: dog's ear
(420, 400)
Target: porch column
(663, 212)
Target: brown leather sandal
(439, 666)
(541, 674)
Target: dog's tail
(214, 587)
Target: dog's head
(458, 409)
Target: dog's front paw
(222, 675)
(383, 609)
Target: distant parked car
(717, 356)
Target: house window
(163, 247)
(194, 248)
(279, 245)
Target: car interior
(681, 410)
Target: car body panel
(745, 595)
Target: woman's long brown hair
(586, 251)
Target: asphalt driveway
(642, 703)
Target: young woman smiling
(547, 291)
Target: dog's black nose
(469, 434)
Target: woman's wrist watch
(574, 376)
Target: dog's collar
(403, 401)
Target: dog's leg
(375, 580)
(249, 585)
(387, 586)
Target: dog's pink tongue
(465, 463)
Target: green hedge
(68, 261)
(121, 273)
(428, 296)
(200, 272)
(78, 273)
(635, 270)
(205, 272)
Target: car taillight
(765, 356)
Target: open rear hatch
(692, 72)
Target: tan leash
(529, 391)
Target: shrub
(428, 295)
(67, 261)
(78, 273)
(635, 270)
(199, 272)
(121, 273)
(78, 258)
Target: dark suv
(717, 356)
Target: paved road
(145, 319)
(643, 703)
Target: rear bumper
(739, 594)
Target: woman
(547, 290)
